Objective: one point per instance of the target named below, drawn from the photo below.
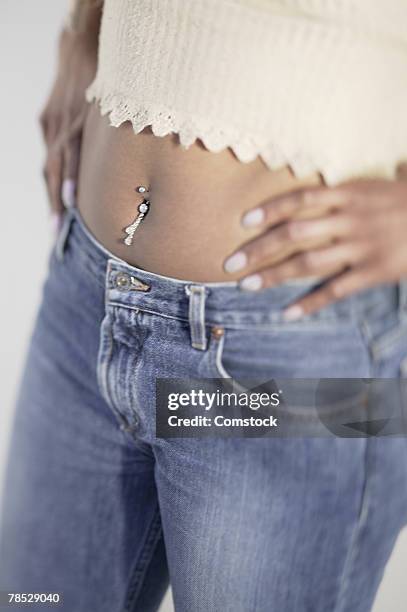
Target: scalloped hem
(164, 121)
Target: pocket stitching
(104, 358)
(403, 367)
(218, 353)
(387, 342)
(217, 363)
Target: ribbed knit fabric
(316, 84)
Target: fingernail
(236, 262)
(68, 193)
(253, 217)
(252, 283)
(293, 313)
(56, 222)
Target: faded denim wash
(99, 509)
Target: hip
(228, 330)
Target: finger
(342, 286)
(53, 177)
(70, 172)
(302, 201)
(318, 262)
(43, 121)
(71, 158)
(72, 127)
(60, 140)
(333, 225)
(51, 129)
(297, 235)
(68, 192)
(71, 140)
(255, 252)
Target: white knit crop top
(320, 85)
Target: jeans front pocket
(387, 338)
(318, 370)
(290, 350)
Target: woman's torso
(304, 84)
(197, 199)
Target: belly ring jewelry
(143, 209)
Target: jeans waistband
(212, 303)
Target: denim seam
(84, 259)
(88, 264)
(103, 362)
(93, 275)
(353, 547)
(217, 359)
(92, 269)
(403, 367)
(366, 340)
(252, 326)
(387, 342)
(132, 363)
(62, 237)
(141, 565)
(147, 311)
(217, 363)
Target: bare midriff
(197, 199)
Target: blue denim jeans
(100, 510)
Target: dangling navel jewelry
(143, 209)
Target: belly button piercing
(143, 209)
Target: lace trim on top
(215, 139)
(319, 85)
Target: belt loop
(196, 314)
(63, 233)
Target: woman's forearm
(63, 116)
(84, 15)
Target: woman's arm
(63, 117)
(84, 15)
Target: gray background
(28, 32)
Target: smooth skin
(213, 218)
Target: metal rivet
(217, 332)
(122, 280)
(138, 285)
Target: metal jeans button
(122, 280)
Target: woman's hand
(63, 117)
(360, 233)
